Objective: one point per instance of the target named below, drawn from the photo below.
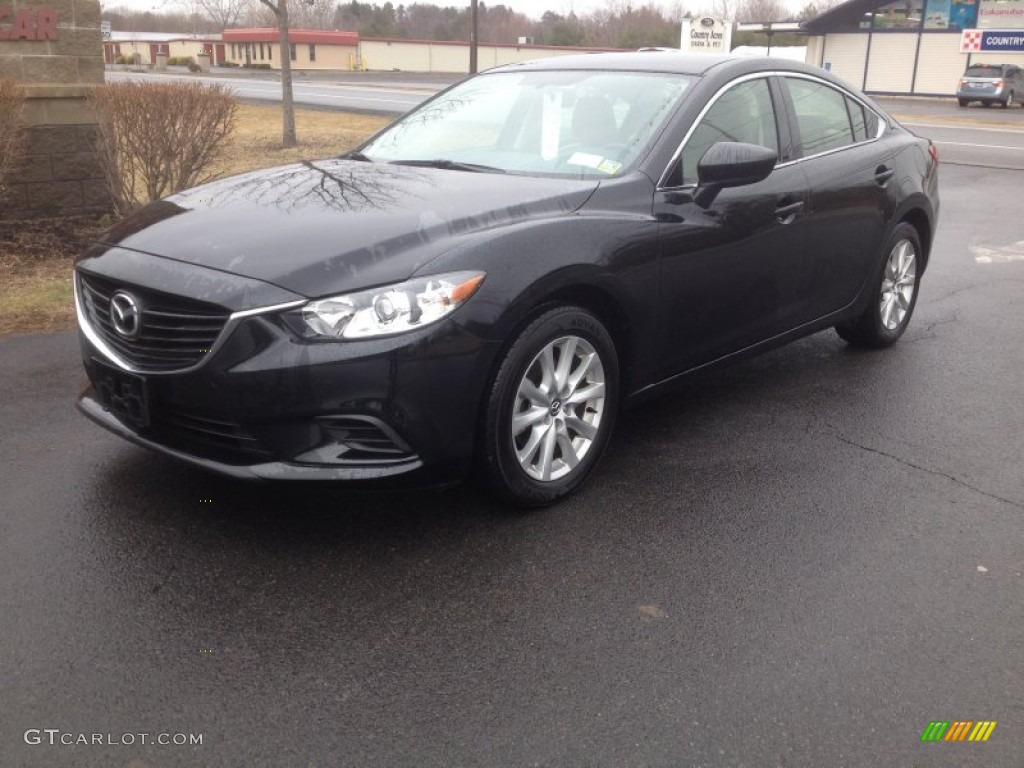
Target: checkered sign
(970, 40)
(995, 40)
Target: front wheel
(963, 102)
(894, 295)
(551, 408)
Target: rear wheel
(1008, 101)
(551, 408)
(963, 102)
(894, 296)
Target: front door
(727, 271)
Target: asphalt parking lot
(801, 560)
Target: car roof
(673, 62)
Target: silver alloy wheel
(558, 407)
(898, 283)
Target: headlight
(384, 311)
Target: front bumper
(391, 412)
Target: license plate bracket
(124, 394)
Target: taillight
(999, 83)
(933, 153)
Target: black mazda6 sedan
(485, 283)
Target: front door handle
(785, 214)
(883, 174)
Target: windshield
(575, 123)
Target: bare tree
(224, 13)
(280, 10)
(762, 10)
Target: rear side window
(744, 113)
(860, 131)
(826, 119)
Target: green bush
(172, 61)
(229, 64)
(257, 66)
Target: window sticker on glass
(584, 159)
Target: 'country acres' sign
(28, 24)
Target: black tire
(963, 102)
(876, 326)
(501, 468)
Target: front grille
(175, 332)
(216, 438)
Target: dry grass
(36, 256)
(256, 141)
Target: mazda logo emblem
(125, 315)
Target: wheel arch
(919, 220)
(573, 288)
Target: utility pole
(472, 37)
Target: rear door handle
(883, 174)
(785, 214)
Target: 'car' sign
(997, 40)
(28, 23)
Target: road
(987, 138)
(387, 97)
(800, 560)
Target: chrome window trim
(882, 123)
(229, 325)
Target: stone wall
(54, 48)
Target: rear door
(841, 148)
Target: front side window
(823, 119)
(744, 113)
(565, 123)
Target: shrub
(13, 130)
(257, 66)
(193, 67)
(229, 64)
(172, 61)
(160, 138)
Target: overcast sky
(532, 8)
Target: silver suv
(991, 84)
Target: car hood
(336, 225)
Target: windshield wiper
(355, 154)
(450, 165)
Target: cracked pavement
(800, 560)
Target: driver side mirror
(731, 164)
